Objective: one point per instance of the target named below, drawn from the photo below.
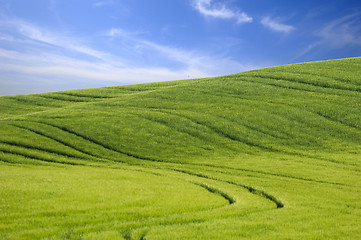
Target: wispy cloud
(188, 59)
(55, 65)
(342, 32)
(219, 10)
(103, 3)
(29, 34)
(41, 53)
(276, 26)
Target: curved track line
(58, 98)
(206, 126)
(252, 190)
(39, 158)
(84, 96)
(164, 123)
(155, 160)
(252, 80)
(221, 133)
(336, 120)
(29, 101)
(127, 233)
(265, 173)
(339, 80)
(100, 144)
(56, 140)
(270, 77)
(27, 146)
(216, 191)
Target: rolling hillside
(273, 153)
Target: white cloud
(218, 10)
(67, 67)
(102, 3)
(191, 60)
(276, 26)
(309, 48)
(49, 64)
(344, 31)
(42, 54)
(29, 34)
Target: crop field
(273, 153)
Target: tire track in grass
(30, 100)
(58, 141)
(154, 160)
(175, 128)
(31, 147)
(6, 160)
(217, 167)
(127, 234)
(319, 85)
(266, 173)
(146, 227)
(199, 136)
(327, 77)
(84, 96)
(98, 143)
(142, 237)
(172, 220)
(252, 80)
(40, 158)
(276, 84)
(293, 106)
(221, 133)
(164, 111)
(252, 190)
(74, 147)
(309, 111)
(336, 120)
(216, 191)
(210, 189)
(208, 165)
(269, 149)
(59, 98)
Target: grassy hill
(265, 154)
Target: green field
(265, 154)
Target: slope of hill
(265, 154)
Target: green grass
(265, 154)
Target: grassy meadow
(273, 153)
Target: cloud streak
(19, 31)
(103, 3)
(339, 33)
(191, 60)
(45, 54)
(218, 10)
(276, 26)
(342, 31)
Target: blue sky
(51, 45)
